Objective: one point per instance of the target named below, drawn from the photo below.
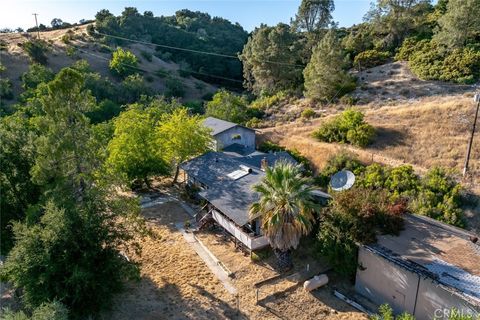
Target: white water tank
(315, 282)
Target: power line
(196, 51)
(150, 72)
(36, 22)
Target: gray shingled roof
(219, 126)
(232, 197)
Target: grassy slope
(429, 126)
(430, 132)
(16, 61)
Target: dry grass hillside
(16, 61)
(427, 132)
(392, 83)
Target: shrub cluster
(123, 62)
(266, 102)
(430, 61)
(436, 195)
(370, 58)
(6, 91)
(356, 216)
(36, 50)
(308, 113)
(348, 127)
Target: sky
(249, 13)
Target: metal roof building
(426, 270)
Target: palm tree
(286, 209)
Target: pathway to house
(206, 255)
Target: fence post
(238, 303)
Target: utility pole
(476, 99)
(36, 22)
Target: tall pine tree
(325, 75)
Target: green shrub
(409, 46)
(3, 45)
(195, 106)
(184, 73)
(370, 58)
(123, 63)
(348, 100)
(430, 61)
(228, 106)
(385, 312)
(341, 161)
(105, 48)
(91, 30)
(50, 311)
(200, 86)
(436, 195)
(146, 55)
(268, 146)
(133, 87)
(361, 135)
(36, 50)
(71, 51)
(174, 88)
(162, 73)
(355, 216)
(308, 113)
(35, 75)
(254, 123)
(67, 37)
(266, 102)
(439, 197)
(6, 91)
(348, 127)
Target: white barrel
(315, 282)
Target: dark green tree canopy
(325, 75)
(272, 60)
(314, 15)
(460, 25)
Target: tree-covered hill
(189, 30)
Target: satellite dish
(342, 180)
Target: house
(226, 134)
(226, 178)
(226, 182)
(426, 270)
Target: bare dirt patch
(394, 82)
(176, 284)
(285, 299)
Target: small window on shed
(236, 137)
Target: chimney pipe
(264, 164)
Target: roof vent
(264, 164)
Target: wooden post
(238, 303)
(470, 141)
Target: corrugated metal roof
(439, 251)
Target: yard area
(176, 284)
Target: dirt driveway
(176, 284)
